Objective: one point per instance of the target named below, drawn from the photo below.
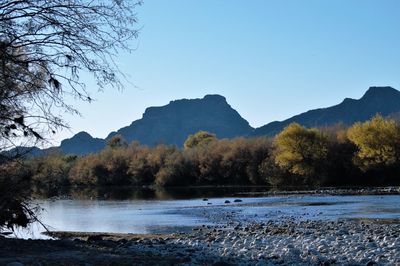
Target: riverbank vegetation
(365, 154)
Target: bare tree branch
(45, 45)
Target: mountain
(172, 123)
(81, 144)
(377, 100)
(20, 151)
(169, 124)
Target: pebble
(287, 242)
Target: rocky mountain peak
(380, 92)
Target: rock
(289, 241)
(237, 200)
(227, 201)
(205, 199)
(94, 238)
(221, 263)
(261, 262)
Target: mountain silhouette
(377, 100)
(81, 144)
(174, 122)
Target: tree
(301, 151)
(14, 210)
(118, 141)
(378, 143)
(51, 172)
(201, 138)
(45, 47)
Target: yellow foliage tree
(201, 138)
(378, 142)
(300, 150)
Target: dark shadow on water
(183, 193)
(323, 203)
(147, 193)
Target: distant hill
(377, 100)
(172, 123)
(81, 144)
(20, 151)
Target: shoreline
(355, 242)
(334, 191)
(238, 191)
(235, 239)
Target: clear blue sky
(270, 59)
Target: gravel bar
(287, 242)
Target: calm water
(180, 213)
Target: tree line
(365, 154)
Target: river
(181, 212)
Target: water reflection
(132, 193)
(126, 210)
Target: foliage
(201, 138)
(140, 170)
(224, 162)
(301, 151)
(83, 173)
(296, 157)
(117, 141)
(52, 170)
(14, 196)
(175, 171)
(378, 143)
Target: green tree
(51, 171)
(302, 152)
(176, 171)
(378, 143)
(140, 170)
(201, 138)
(83, 172)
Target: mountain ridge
(179, 118)
(173, 122)
(376, 100)
(82, 143)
